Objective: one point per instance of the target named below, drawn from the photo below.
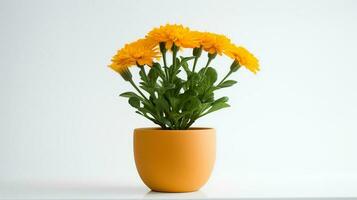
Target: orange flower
(142, 51)
(244, 57)
(211, 42)
(173, 34)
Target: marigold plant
(173, 94)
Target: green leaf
(185, 59)
(211, 75)
(208, 97)
(153, 75)
(148, 106)
(144, 110)
(147, 88)
(174, 101)
(139, 113)
(143, 76)
(186, 68)
(167, 122)
(157, 67)
(151, 119)
(191, 92)
(192, 104)
(227, 83)
(205, 106)
(222, 99)
(135, 102)
(217, 106)
(162, 104)
(129, 94)
(169, 86)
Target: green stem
(208, 62)
(174, 55)
(190, 123)
(229, 73)
(143, 70)
(137, 89)
(194, 64)
(163, 51)
(205, 68)
(197, 52)
(165, 64)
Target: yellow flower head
(211, 42)
(171, 34)
(141, 52)
(244, 57)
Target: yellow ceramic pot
(174, 160)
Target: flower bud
(212, 55)
(197, 51)
(162, 47)
(125, 73)
(174, 48)
(235, 66)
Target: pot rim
(158, 129)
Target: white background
(291, 129)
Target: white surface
(219, 188)
(291, 130)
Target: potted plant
(173, 94)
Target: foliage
(174, 102)
(175, 96)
